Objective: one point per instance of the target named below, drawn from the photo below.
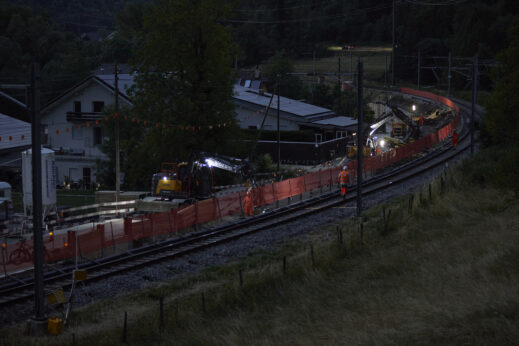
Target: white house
(71, 131)
(15, 136)
(70, 127)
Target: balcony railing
(85, 116)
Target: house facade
(70, 129)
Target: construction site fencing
(95, 240)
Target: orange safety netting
(91, 240)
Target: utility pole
(385, 74)
(449, 77)
(117, 151)
(419, 66)
(351, 62)
(474, 97)
(393, 47)
(360, 140)
(279, 133)
(39, 320)
(339, 71)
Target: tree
(184, 80)
(502, 106)
(280, 67)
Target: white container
(48, 181)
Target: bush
(264, 164)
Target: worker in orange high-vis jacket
(249, 211)
(454, 139)
(344, 180)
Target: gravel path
(191, 264)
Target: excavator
(407, 129)
(404, 131)
(194, 179)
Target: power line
(440, 3)
(306, 19)
(283, 8)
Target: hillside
(446, 273)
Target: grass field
(64, 198)
(444, 273)
(374, 65)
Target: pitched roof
(337, 121)
(11, 132)
(293, 107)
(125, 81)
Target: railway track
(22, 289)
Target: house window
(340, 134)
(318, 138)
(45, 134)
(253, 127)
(77, 106)
(77, 133)
(98, 136)
(98, 106)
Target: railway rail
(21, 289)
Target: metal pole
(279, 134)
(339, 71)
(359, 140)
(117, 151)
(351, 62)
(393, 47)
(313, 78)
(449, 77)
(474, 96)
(39, 313)
(385, 74)
(419, 63)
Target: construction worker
(454, 139)
(344, 180)
(249, 211)
(421, 120)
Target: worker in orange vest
(421, 120)
(454, 139)
(344, 180)
(249, 211)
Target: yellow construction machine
(194, 179)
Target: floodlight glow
(209, 162)
(414, 108)
(382, 143)
(164, 178)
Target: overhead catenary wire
(349, 14)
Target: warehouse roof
(337, 121)
(286, 105)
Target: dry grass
(446, 274)
(374, 65)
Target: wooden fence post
(386, 224)
(161, 313)
(124, 338)
(312, 255)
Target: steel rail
(22, 290)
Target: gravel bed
(193, 263)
